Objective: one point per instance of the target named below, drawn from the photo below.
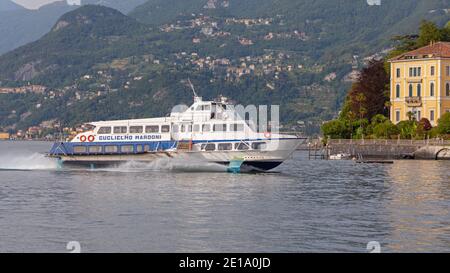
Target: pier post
(309, 150)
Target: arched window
(432, 89)
(419, 90)
(447, 89)
(410, 90)
(397, 91)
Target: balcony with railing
(413, 101)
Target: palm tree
(410, 115)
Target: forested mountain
(352, 24)
(158, 12)
(98, 63)
(79, 40)
(19, 26)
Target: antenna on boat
(196, 97)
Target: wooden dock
(362, 161)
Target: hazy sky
(34, 4)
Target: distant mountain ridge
(19, 26)
(8, 5)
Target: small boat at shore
(208, 131)
(340, 156)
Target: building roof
(435, 50)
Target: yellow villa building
(420, 83)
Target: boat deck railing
(98, 148)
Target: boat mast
(196, 97)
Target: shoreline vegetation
(365, 112)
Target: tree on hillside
(446, 32)
(368, 96)
(429, 32)
(404, 43)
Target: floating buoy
(91, 138)
(83, 138)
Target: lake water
(308, 206)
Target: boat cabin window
(104, 130)
(165, 129)
(79, 149)
(127, 149)
(203, 107)
(236, 127)
(213, 111)
(258, 145)
(146, 148)
(139, 148)
(196, 128)
(220, 127)
(111, 149)
(87, 128)
(175, 128)
(206, 128)
(209, 147)
(152, 129)
(120, 129)
(95, 149)
(186, 128)
(136, 129)
(224, 146)
(242, 146)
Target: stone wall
(391, 149)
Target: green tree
(351, 117)
(429, 32)
(385, 130)
(446, 32)
(335, 129)
(410, 115)
(381, 127)
(444, 124)
(407, 129)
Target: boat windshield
(85, 128)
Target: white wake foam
(169, 165)
(37, 161)
(33, 161)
